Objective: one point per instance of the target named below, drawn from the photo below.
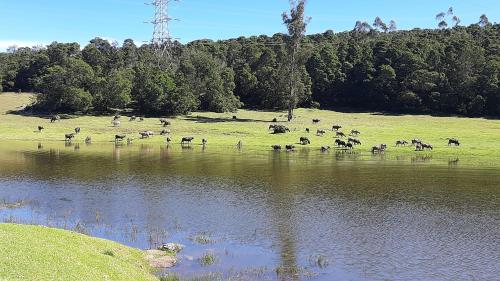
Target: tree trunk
(291, 102)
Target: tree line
(447, 70)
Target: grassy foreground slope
(41, 253)
(480, 137)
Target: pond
(264, 215)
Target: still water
(264, 215)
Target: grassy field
(41, 253)
(479, 137)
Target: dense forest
(373, 67)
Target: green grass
(479, 137)
(207, 259)
(41, 253)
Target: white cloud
(4, 44)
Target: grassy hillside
(479, 137)
(41, 253)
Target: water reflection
(375, 218)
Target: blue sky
(30, 22)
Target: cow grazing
(77, 130)
(340, 143)
(455, 142)
(379, 149)
(415, 141)
(427, 146)
(276, 147)
(307, 130)
(120, 137)
(55, 118)
(69, 137)
(40, 128)
(324, 148)
(165, 132)
(339, 134)
(280, 129)
(355, 133)
(320, 133)
(354, 141)
(401, 143)
(316, 121)
(187, 140)
(336, 127)
(305, 141)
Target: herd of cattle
(342, 140)
(348, 142)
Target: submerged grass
(207, 259)
(479, 136)
(41, 253)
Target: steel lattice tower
(162, 40)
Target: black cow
(355, 133)
(276, 147)
(320, 132)
(427, 146)
(55, 118)
(453, 142)
(187, 140)
(290, 147)
(133, 118)
(316, 121)
(340, 134)
(354, 141)
(305, 141)
(324, 148)
(379, 149)
(280, 129)
(120, 137)
(204, 142)
(401, 143)
(40, 128)
(340, 143)
(69, 137)
(336, 127)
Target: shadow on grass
(200, 119)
